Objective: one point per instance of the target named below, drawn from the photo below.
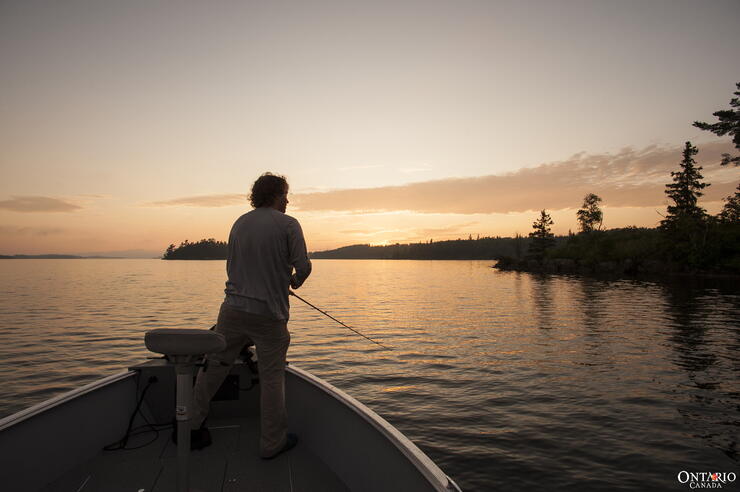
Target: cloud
(414, 233)
(443, 231)
(31, 231)
(357, 168)
(38, 204)
(225, 200)
(369, 232)
(95, 196)
(412, 170)
(628, 178)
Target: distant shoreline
(67, 257)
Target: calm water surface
(508, 381)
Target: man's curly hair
(267, 187)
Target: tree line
(688, 238)
(480, 248)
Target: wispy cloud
(38, 204)
(31, 231)
(357, 168)
(224, 200)
(371, 232)
(443, 231)
(412, 170)
(413, 234)
(628, 178)
(95, 196)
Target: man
(265, 246)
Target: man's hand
(294, 282)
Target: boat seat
(182, 341)
(182, 346)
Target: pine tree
(686, 227)
(590, 216)
(685, 191)
(170, 251)
(729, 124)
(730, 213)
(542, 237)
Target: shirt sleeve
(298, 255)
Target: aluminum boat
(115, 434)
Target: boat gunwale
(62, 398)
(411, 451)
(434, 475)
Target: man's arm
(298, 254)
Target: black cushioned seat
(182, 341)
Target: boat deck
(230, 464)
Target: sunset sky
(129, 125)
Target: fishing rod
(335, 319)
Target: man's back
(264, 247)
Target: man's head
(270, 190)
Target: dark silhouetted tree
(542, 236)
(590, 216)
(730, 213)
(729, 124)
(170, 251)
(686, 227)
(685, 191)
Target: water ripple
(508, 381)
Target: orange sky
(125, 127)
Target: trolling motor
(183, 348)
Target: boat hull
(40, 445)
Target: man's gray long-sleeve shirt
(264, 247)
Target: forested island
(688, 240)
(205, 249)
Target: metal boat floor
(230, 464)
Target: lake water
(508, 381)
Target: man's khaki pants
(271, 338)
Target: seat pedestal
(182, 348)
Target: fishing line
(335, 319)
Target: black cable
(137, 431)
(131, 432)
(122, 443)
